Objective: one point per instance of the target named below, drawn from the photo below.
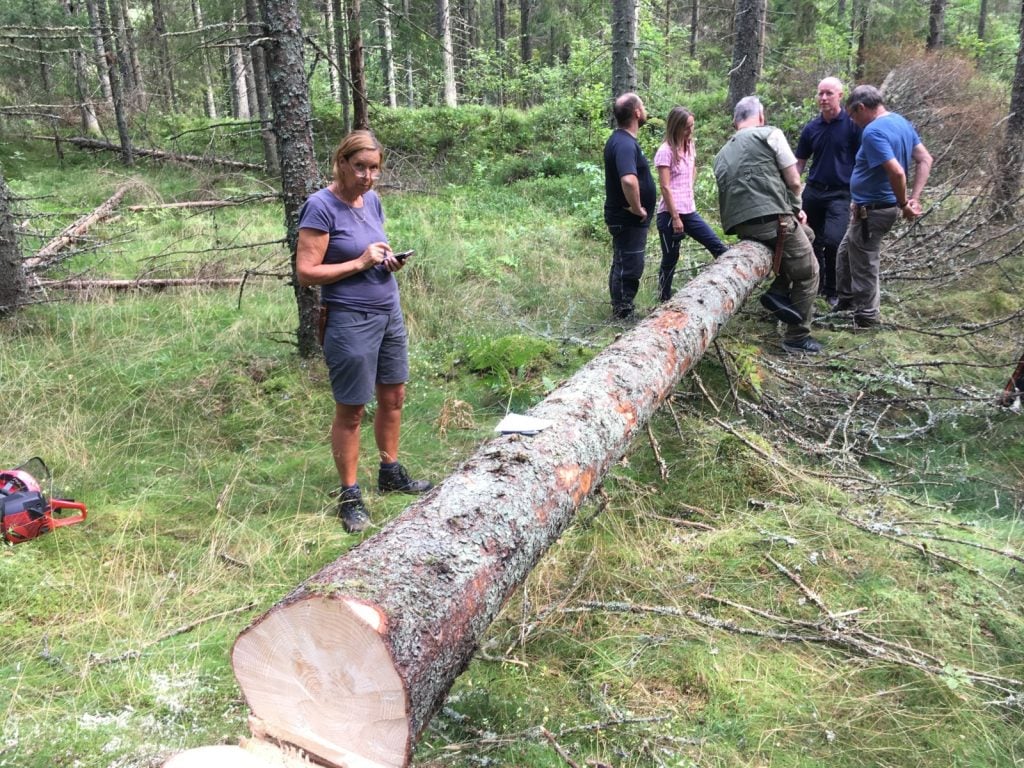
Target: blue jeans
(693, 226)
(628, 247)
(828, 213)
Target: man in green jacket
(759, 199)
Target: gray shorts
(363, 349)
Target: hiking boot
(352, 511)
(842, 305)
(862, 321)
(395, 479)
(780, 307)
(804, 346)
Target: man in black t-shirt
(629, 202)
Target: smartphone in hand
(403, 255)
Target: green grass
(199, 442)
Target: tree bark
(694, 20)
(164, 54)
(300, 176)
(333, 51)
(351, 665)
(204, 58)
(13, 286)
(340, 36)
(388, 53)
(451, 96)
(130, 56)
(114, 69)
(982, 18)
(936, 24)
(357, 71)
(239, 84)
(99, 49)
(623, 46)
(410, 95)
(859, 29)
(259, 73)
(525, 41)
(746, 51)
(1011, 154)
(500, 33)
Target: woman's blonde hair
(354, 143)
(678, 118)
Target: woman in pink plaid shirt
(677, 213)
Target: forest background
(804, 561)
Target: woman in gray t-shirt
(343, 249)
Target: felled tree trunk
(49, 252)
(351, 666)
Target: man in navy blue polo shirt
(629, 203)
(830, 141)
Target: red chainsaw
(25, 511)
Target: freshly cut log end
(317, 674)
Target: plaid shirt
(680, 183)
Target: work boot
(804, 346)
(352, 511)
(866, 321)
(394, 478)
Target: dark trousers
(693, 226)
(628, 247)
(828, 213)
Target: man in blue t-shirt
(830, 141)
(888, 146)
(629, 202)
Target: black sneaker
(779, 306)
(396, 480)
(352, 511)
(804, 346)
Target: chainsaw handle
(56, 504)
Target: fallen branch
(84, 143)
(188, 204)
(153, 284)
(48, 253)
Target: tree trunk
(360, 104)
(239, 84)
(410, 95)
(333, 52)
(300, 176)
(859, 30)
(623, 46)
(259, 73)
(694, 20)
(86, 110)
(388, 58)
(1011, 154)
(746, 51)
(13, 286)
(525, 41)
(164, 54)
(451, 98)
(936, 24)
(114, 70)
(46, 255)
(99, 49)
(500, 33)
(130, 53)
(352, 665)
(204, 59)
(340, 36)
(982, 18)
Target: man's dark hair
(624, 108)
(867, 95)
